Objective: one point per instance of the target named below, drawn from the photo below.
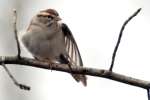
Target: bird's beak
(58, 18)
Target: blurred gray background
(95, 25)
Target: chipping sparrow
(49, 40)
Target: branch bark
(76, 70)
(21, 86)
(16, 33)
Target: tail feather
(77, 77)
(80, 78)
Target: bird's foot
(51, 65)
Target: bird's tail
(80, 78)
(77, 77)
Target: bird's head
(48, 17)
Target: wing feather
(73, 53)
(71, 46)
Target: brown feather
(74, 54)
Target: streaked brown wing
(71, 46)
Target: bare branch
(16, 33)
(148, 94)
(77, 70)
(21, 86)
(120, 36)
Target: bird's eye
(50, 17)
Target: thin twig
(148, 94)
(119, 38)
(77, 70)
(21, 86)
(16, 33)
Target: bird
(48, 39)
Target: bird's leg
(36, 58)
(70, 66)
(51, 64)
(47, 60)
